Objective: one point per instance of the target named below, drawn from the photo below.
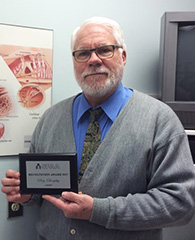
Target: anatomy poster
(25, 84)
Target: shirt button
(73, 231)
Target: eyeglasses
(103, 52)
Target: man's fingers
(10, 190)
(13, 198)
(74, 205)
(10, 182)
(70, 196)
(12, 174)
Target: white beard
(95, 89)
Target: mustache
(95, 71)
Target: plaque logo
(46, 166)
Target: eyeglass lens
(102, 52)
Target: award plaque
(48, 173)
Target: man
(141, 177)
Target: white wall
(140, 20)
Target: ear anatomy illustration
(31, 95)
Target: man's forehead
(94, 34)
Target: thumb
(70, 196)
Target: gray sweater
(142, 176)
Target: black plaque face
(48, 173)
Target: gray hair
(106, 22)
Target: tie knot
(95, 114)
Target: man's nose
(94, 59)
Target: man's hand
(77, 206)
(11, 187)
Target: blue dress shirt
(81, 119)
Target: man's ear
(124, 56)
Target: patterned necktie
(92, 140)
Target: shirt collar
(111, 106)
